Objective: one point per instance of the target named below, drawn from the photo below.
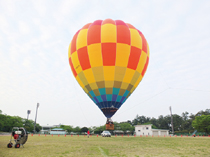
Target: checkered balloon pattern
(108, 59)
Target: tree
(202, 123)
(0, 111)
(77, 129)
(84, 129)
(124, 126)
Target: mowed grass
(104, 146)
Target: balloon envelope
(108, 59)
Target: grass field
(104, 146)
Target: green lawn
(104, 146)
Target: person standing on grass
(88, 133)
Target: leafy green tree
(124, 126)
(84, 129)
(140, 120)
(202, 123)
(77, 129)
(38, 127)
(68, 128)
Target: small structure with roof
(147, 130)
(58, 131)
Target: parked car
(106, 134)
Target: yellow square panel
(131, 91)
(85, 89)
(119, 77)
(81, 39)
(109, 84)
(76, 63)
(93, 86)
(138, 81)
(109, 72)
(98, 70)
(99, 77)
(142, 62)
(128, 75)
(89, 75)
(79, 81)
(95, 55)
(83, 78)
(124, 85)
(108, 33)
(69, 50)
(122, 54)
(136, 39)
(135, 78)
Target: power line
(143, 101)
(81, 107)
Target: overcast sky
(34, 68)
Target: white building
(147, 130)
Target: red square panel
(94, 34)
(84, 58)
(134, 57)
(145, 67)
(108, 53)
(123, 34)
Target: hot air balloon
(108, 58)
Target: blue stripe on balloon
(109, 97)
(122, 99)
(114, 97)
(96, 99)
(102, 91)
(103, 98)
(126, 93)
(92, 93)
(116, 91)
(99, 98)
(119, 98)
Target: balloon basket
(109, 126)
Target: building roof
(57, 129)
(159, 129)
(143, 125)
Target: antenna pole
(172, 125)
(36, 116)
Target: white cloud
(23, 27)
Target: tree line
(8, 122)
(184, 123)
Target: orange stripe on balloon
(145, 67)
(134, 58)
(108, 53)
(72, 67)
(84, 58)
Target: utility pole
(28, 112)
(36, 116)
(172, 125)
